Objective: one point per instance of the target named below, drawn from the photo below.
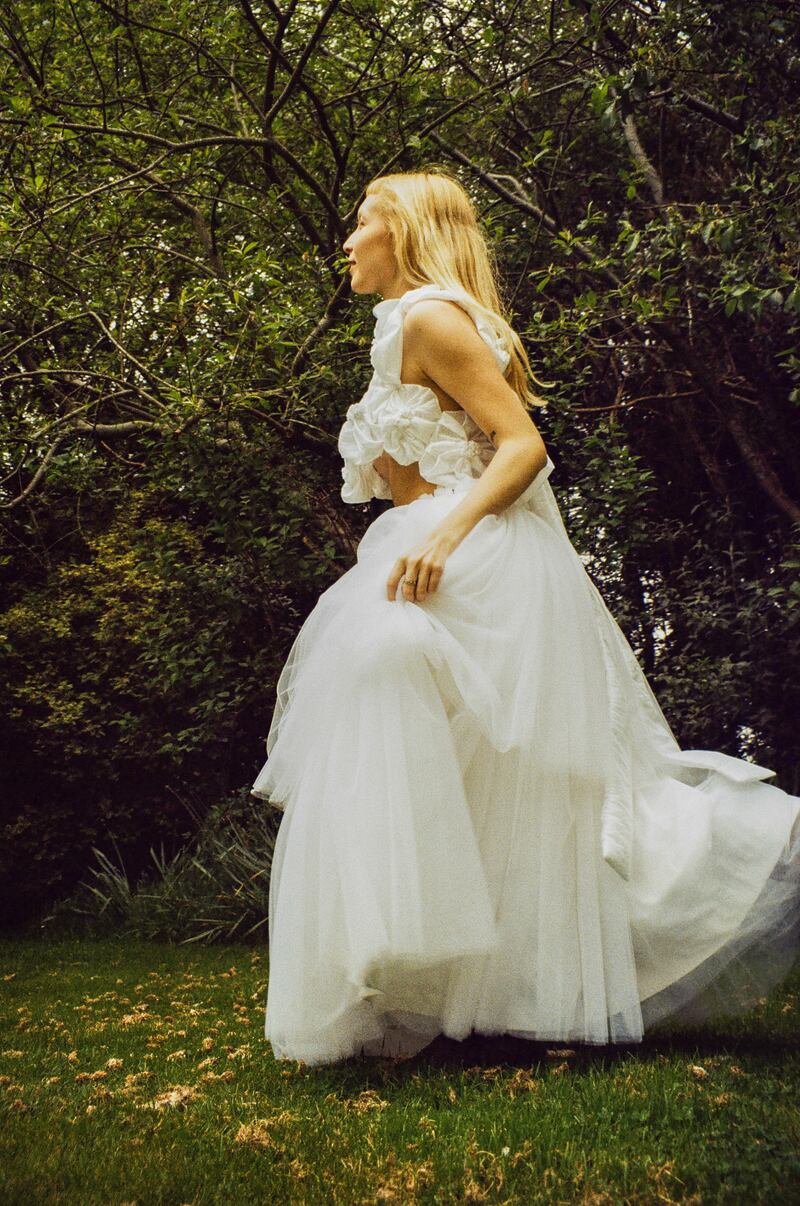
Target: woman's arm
(445, 346)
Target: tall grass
(215, 889)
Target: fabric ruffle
(408, 423)
(405, 420)
(451, 455)
(362, 483)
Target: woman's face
(373, 267)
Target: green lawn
(140, 1074)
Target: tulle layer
(450, 773)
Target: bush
(216, 889)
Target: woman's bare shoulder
(443, 322)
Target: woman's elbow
(528, 449)
(536, 453)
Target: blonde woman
(488, 824)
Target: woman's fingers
(420, 575)
(398, 569)
(434, 579)
(411, 582)
(423, 582)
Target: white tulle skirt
(449, 773)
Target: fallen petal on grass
(178, 1096)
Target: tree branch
(762, 470)
(520, 200)
(641, 158)
(38, 475)
(720, 117)
(331, 310)
(308, 50)
(193, 144)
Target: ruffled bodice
(406, 421)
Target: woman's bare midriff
(405, 481)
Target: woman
(488, 824)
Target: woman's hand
(423, 566)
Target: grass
(139, 1073)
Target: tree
(178, 346)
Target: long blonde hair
(437, 240)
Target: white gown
(488, 824)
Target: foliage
(214, 889)
(138, 676)
(178, 346)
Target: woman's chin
(358, 285)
